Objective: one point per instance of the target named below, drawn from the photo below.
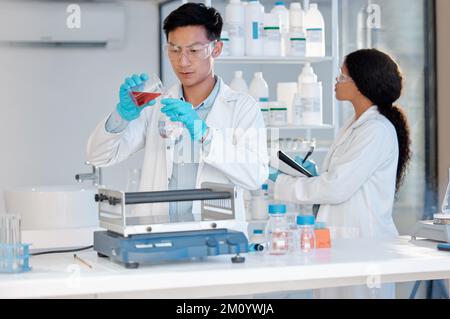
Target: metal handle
(174, 196)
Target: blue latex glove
(273, 174)
(126, 108)
(181, 111)
(309, 165)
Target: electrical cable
(61, 251)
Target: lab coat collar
(352, 124)
(367, 115)
(224, 91)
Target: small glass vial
(277, 231)
(306, 236)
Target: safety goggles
(342, 78)
(194, 52)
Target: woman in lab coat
(366, 164)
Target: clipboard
(299, 168)
(293, 164)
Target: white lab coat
(356, 189)
(237, 128)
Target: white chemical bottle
(310, 108)
(272, 35)
(285, 93)
(297, 36)
(224, 37)
(306, 76)
(235, 25)
(283, 15)
(259, 88)
(238, 83)
(296, 18)
(315, 32)
(254, 19)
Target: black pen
(311, 150)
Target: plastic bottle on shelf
(254, 19)
(296, 18)
(297, 44)
(312, 103)
(235, 25)
(224, 37)
(259, 88)
(272, 35)
(306, 76)
(297, 36)
(285, 93)
(278, 114)
(277, 231)
(283, 14)
(238, 83)
(315, 32)
(297, 109)
(265, 110)
(310, 107)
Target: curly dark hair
(379, 78)
(192, 14)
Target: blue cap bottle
(277, 209)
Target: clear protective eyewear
(342, 78)
(193, 52)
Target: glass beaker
(10, 243)
(150, 90)
(169, 129)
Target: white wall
(52, 98)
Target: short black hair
(192, 14)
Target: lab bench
(348, 262)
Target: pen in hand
(311, 150)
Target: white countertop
(349, 262)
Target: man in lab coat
(224, 134)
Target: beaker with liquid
(150, 90)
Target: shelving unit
(270, 60)
(277, 69)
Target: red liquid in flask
(143, 98)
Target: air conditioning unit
(62, 23)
